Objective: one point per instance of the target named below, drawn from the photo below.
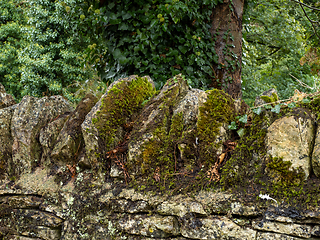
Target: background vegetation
(65, 46)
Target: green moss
(218, 109)
(119, 107)
(177, 157)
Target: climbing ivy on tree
(157, 38)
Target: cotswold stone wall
(141, 164)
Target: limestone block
(215, 202)
(127, 206)
(180, 206)
(291, 138)
(274, 236)
(316, 154)
(94, 144)
(238, 208)
(29, 117)
(6, 100)
(69, 141)
(286, 228)
(215, 228)
(154, 226)
(6, 141)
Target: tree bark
(226, 30)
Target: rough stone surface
(29, 117)
(6, 100)
(290, 138)
(90, 132)
(54, 197)
(6, 141)
(268, 93)
(316, 154)
(290, 229)
(70, 141)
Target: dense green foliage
(275, 39)
(11, 21)
(157, 38)
(53, 47)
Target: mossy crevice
(119, 108)
(177, 156)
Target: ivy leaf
(240, 132)
(183, 49)
(243, 119)
(232, 126)
(189, 70)
(123, 26)
(257, 110)
(276, 109)
(291, 105)
(305, 100)
(126, 16)
(111, 5)
(153, 22)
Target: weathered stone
(271, 93)
(274, 236)
(29, 117)
(126, 206)
(69, 141)
(239, 209)
(6, 100)
(286, 228)
(214, 228)
(316, 154)
(180, 206)
(215, 202)
(290, 138)
(316, 231)
(153, 226)
(98, 115)
(6, 141)
(50, 133)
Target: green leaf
(292, 105)
(243, 119)
(183, 49)
(257, 110)
(232, 126)
(240, 132)
(276, 109)
(305, 100)
(123, 26)
(126, 16)
(189, 70)
(111, 5)
(153, 22)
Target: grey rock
(290, 138)
(297, 230)
(29, 117)
(268, 93)
(69, 142)
(6, 141)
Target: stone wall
(82, 173)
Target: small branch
(302, 83)
(314, 28)
(317, 9)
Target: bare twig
(317, 9)
(302, 83)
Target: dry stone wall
(59, 181)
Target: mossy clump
(120, 107)
(273, 98)
(219, 109)
(177, 157)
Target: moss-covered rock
(111, 118)
(178, 137)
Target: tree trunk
(226, 30)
